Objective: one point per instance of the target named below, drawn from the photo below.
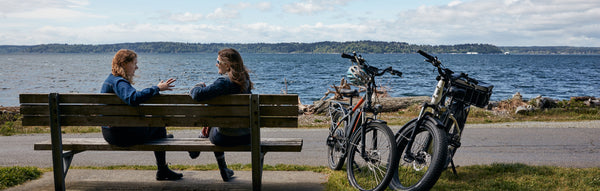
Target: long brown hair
(238, 73)
(121, 59)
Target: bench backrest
(231, 111)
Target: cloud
(307, 7)
(186, 17)
(263, 6)
(499, 22)
(46, 9)
(227, 12)
(219, 13)
(504, 22)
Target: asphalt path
(566, 144)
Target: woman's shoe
(226, 174)
(194, 154)
(164, 173)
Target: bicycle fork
(409, 155)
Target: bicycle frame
(452, 115)
(366, 107)
(360, 118)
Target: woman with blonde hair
(235, 80)
(120, 82)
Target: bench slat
(108, 98)
(279, 122)
(119, 121)
(279, 110)
(198, 110)
(174, 144)
(279, 99)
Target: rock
(592, 102)
(582, 98)
(517, 96)
(524, 109)
(543, 102)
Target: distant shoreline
(325, 47)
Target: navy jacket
(127, 93)
(222, 86)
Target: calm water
(309, 75)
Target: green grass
(15, 175)
(476, 177)
(503, 177)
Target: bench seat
(173, 144)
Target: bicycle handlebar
(358, 59)
(370, 69)
(424, 54)
(344, 55)
(431, 59)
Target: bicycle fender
(429, 116)
(378, 121)
(426, 116)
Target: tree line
(317, 47)
(293, 47)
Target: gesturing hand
(162, 85)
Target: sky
(432, 22)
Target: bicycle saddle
(349, 92)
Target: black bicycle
(428, 143)
(365, 141)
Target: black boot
(195, 154)
(164, 173)
(226, 173)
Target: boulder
(524, 109)
(540, 102)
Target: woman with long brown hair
(235, 80)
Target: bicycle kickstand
(453, 167)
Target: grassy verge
(503, 177)
(477, 177)
(15, 175)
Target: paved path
(568, 144)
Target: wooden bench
(232, 111)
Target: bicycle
(428, 143)
(367, 143)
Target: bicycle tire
(422, 172)
(336, 149)
(375, 171)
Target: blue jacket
(123, 89)
(222, 86)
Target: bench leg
(56, 138)
(67, 158)
(257, 169)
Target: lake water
(308, 75)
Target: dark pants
(129, 136)
(226, 141)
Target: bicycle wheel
(373, 169)
(422, 168)
(336, 142)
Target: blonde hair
(120, 61)
(238, 73)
